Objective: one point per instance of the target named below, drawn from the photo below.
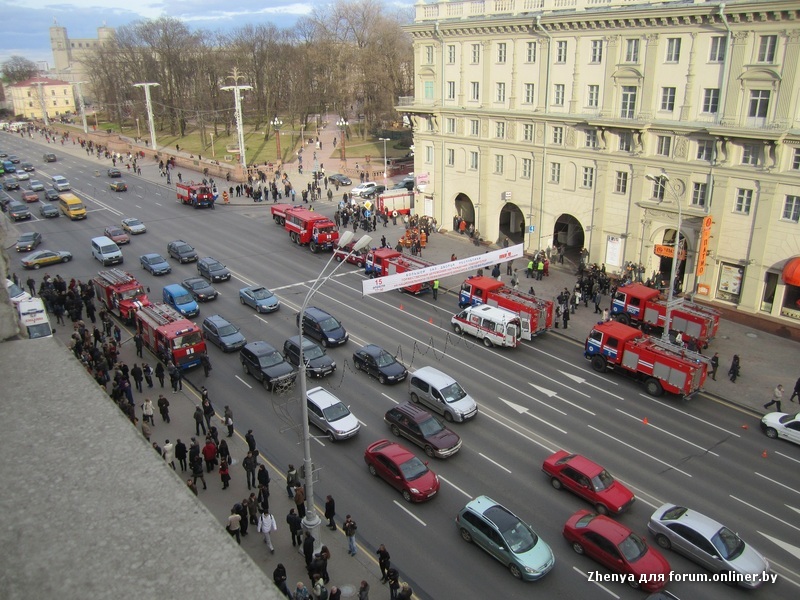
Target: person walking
(330, 511)
(295, 527)
(349, 527)
(148, 411)
(777, 396)
(208, 409)
(197, 471)
(435, 289)
(300, 592)
(363, 591)
(199, 422)
(300, 500)
(163, 408)
(204, 360)
(251, 441)
(733, 372)
(180, 454)
(210, 454)
(279, 578)
(393, 577)
(308, 547)
(227, 418)
(168, 452)
(292, 479)
(405, 592)
(249, 464)
(139, 343)
(160, 374)
(233, 527)
(796, 391)
(266, 525)
(252, 508)
(147, 370)
(138, 377)
(384, 562)
(714, 362)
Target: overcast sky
(25, 28)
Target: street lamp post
(213, 151)
(342, 123)
(663, 180)
(311, 522)
(276, 125)
(138, 131)
(385, 167)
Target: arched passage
(665, 262)
(568, 232)
(512, 223)
(465, 208)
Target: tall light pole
(81, 106)
(213, 152)
(138, 131)
(276, 125)
(664, 181)
(385, 167)
(150, 121)
(311, 522)
(342, 123)
(237, 99)
(43, 103)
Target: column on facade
(688, 94)
(788, 76)
(612, 60)
(757, 246)
(512, 93)
(487, 92)
(574, 94)
(645, 108)
(735, 64)
(543, 61)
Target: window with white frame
(796, 160)
(429, 55)
(744, 200)
(791, 208)
(473, 160)
(502, 52)
(474, 127)
(717, 52)
(621, 182)
(528, 93)
(673, 50)
(699, 194)
(588, 177)
(499, 164)
(558, 94)
(668, 98)
(428, 154)
(767, 46)
(530, 52)
(711, 100)
(428, 90)
(632, 50)
(558, 135)
(593, 96)
(476, 54)
(500, 130)
(527, 168)
(451, 90)
(555, 172)
(659, 187)
(450, 125)
(500, 96)
(527, 132)
(451, 157)
(561, 51)
(451, 54)
(591, 138)
(475, 90)
(597, 51)
(628, 101)
(705, 150)
(759, 104)
(750, 155)
(663, 145)
(625, 141)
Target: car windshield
(728, 544)
(27, 237)
(430, 427)
(384, 359)
(183, 249)
(115, 232)
(312, 352)
(226, 330)
(14, 290)
(413, 469)
(133, 222)
(519, 537)
(185, 341)
(262, 294)
(271, 359)
(602, 481)
(329, 324)
(633, 548)
(39, 331)
(153, 260)
(453, 393)
(335, 412)
(215, 266)
(131, 294)
(76, 206)
(183, 299)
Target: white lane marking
(244, 382)
(787, 456)
(241, 278)
(641, 493)
(639, 451)
(260, 318)
(523, 410)
(450, 483)
(664, 431)
(762, 511)
(685, 414)
(783, 485)
(552, 394)
(583, 381)
(157, 203)
(494, 462)
(602, 587)
(316, 439)
(790, 548)
(485, 412)
(137, 206)
(389, 398)
(410, 514)
(362, 422)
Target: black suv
(212, 269)
(318, 364)
(18, 211)
(266, 364)
(49, 157)
(323, 327)
(422, 428)
(10, 183)
(180, 250)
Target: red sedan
(588, 480)
(402, 470)
(619, 549)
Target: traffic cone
(430, 320)
(764, 454)
(401, 307)
(745, 426)
(645, 421)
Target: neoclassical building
(603, 123)
(33, 97)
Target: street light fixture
(385, 167)
(311, 522)
(276, 124)
(342, 123)
(213, 151)
(664, 181)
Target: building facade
(32, 97)
(604, 123)
(68, 54)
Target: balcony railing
(433, 11)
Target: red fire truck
(196, 194)
(661, 365)
(642, 306)
(385, 261)
(307, 227)
(279, 212)
(396, 203)
(120, 293)
(536, 315)
(169, 336)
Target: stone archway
(465, 208)
(568, 232)
(512, 223)
(664, 263)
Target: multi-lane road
(533, 400)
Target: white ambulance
(33, 317)
(495, 326)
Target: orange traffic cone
(645, 421)
(745, 426)
(401, 307)
(764, 454)
(430, 320)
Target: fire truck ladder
(116, 277)
(162, 315)
(524, 299)
(675, 349)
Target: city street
(532, 401)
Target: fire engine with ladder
(662, 366)
(169, 336)
(196, 194)
(309, 228)
(536, 315)
(120, 292)
(382, 262)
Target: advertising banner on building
(408, 278)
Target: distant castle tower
(68, 53)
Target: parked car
(48, 211)
(266, 364)
(363, 188)
(16, 293)
(321, 326)
(118, 186)
(618, 549)
(260, 298)
(341, 179)
(398, 467)
(505, 537)
(116, 234)
(181, 251)
(318, 363)
(708, 543)
(30, 196)
(29, 241)
(330, 415)
(155, 264)
(43, 258)
(200, 289)
(377, 362)
(422, 428)
(133, 226)
(212, 269)
(223, 333)
(588, 480)
(374, 192)
(781, 425)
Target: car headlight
(414, 490)
(331, 340)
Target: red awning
(791, 272)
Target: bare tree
(19, 68)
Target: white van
(328, 413)
(60, 183)
(495, 326)
(441, 393)
(106, 251)
(33, 317)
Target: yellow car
(42, 258)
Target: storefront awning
(791, 272)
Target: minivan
(322, 326)
(267, 365)
(179, 297)
(71, 206)
(60, 183)
(441, 393)
(106, 251)
(329, 414)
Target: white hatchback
(364, 188)
(328, 413)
